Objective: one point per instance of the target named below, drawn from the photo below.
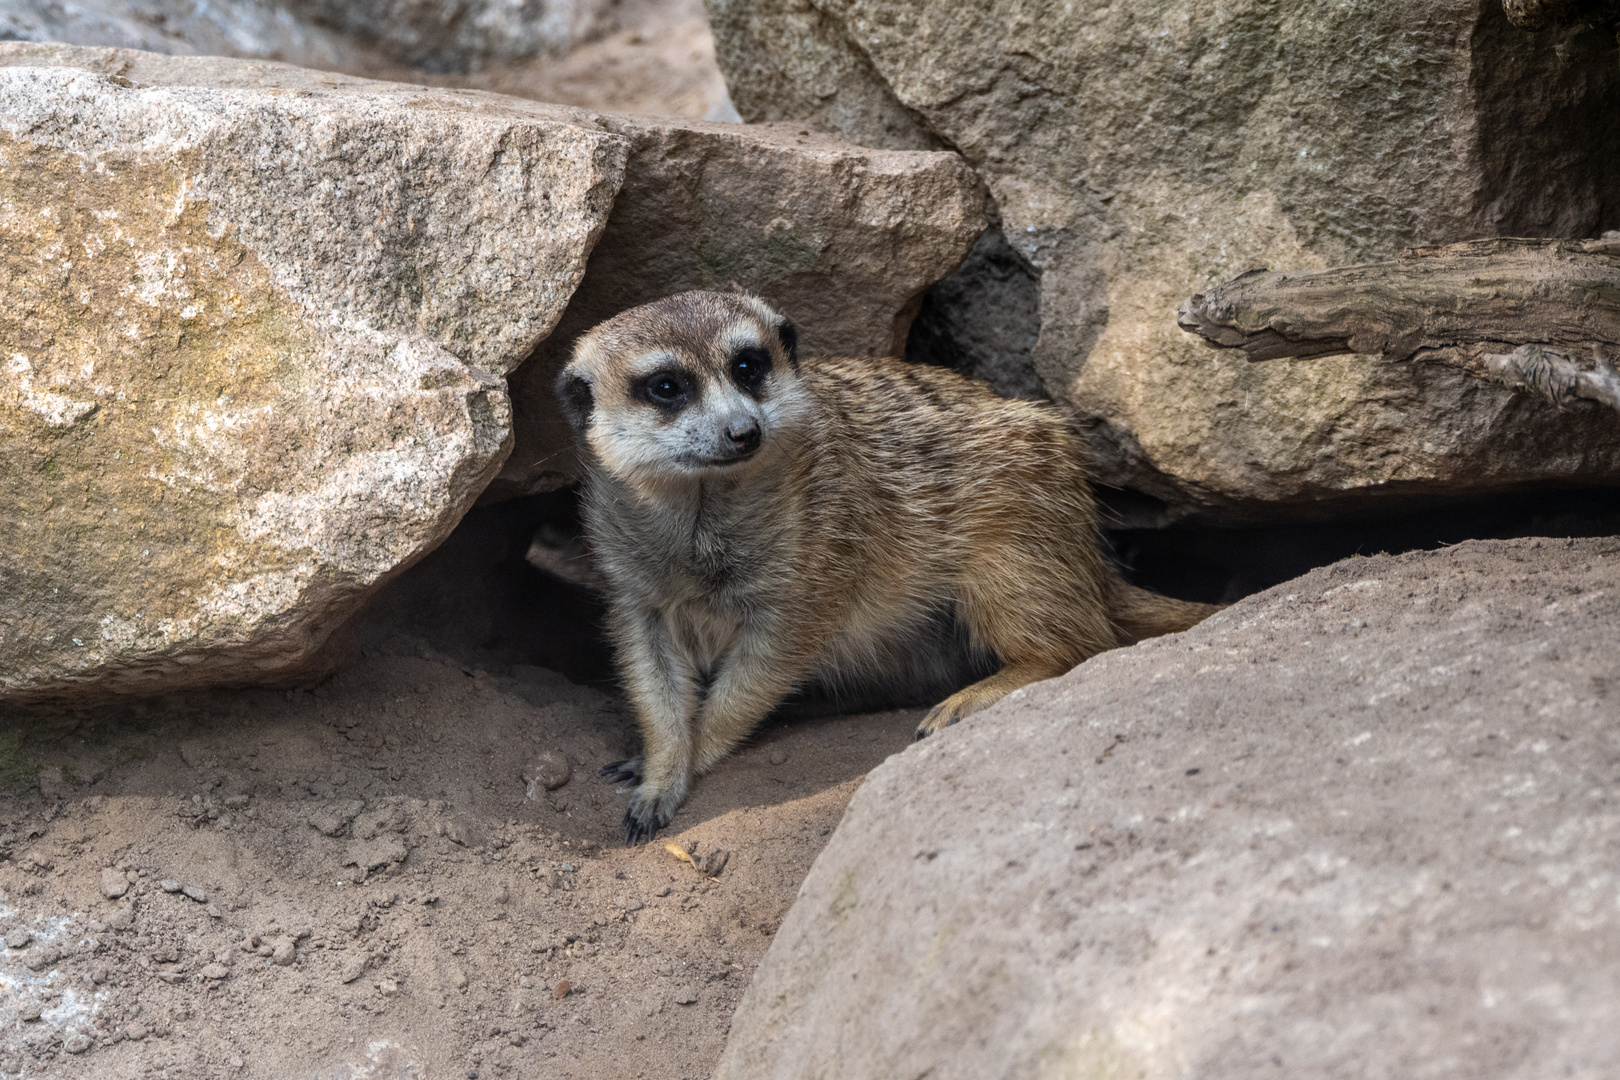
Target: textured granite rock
(1363, 824)
(251, 346)
(1141, 152)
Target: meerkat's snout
(743, 434)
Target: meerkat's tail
(1138, 613)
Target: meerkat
(764, 522)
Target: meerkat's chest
(712, 558)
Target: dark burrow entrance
(479, 596)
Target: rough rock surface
(654, 57)
(842, 239)
(252, 347)
(463, 35)
(1363, 824)
(1141, 152)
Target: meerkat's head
(692, 385)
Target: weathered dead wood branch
(1543, 315)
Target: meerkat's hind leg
(984, 693)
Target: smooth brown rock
(1362, 824)
(253, 323)
(1142, 152)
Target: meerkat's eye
(664, 388)
(749, 367)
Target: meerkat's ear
(574, 395)
(789, 335)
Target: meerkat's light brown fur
(763, 524)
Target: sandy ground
(369, 885)
(654, 57)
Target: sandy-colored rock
(251, 343)
(1141, 152)
(1363, 824)
(844, 240)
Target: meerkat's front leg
(753, 680)
(663, 688)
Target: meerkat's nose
(743, 435)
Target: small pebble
(352, 969)
(77, 1043)
(562, 990)
(779, 757)
(197, 893)
(170, 885)
(388, 988)
(29, 1010)
(685, 996)
(113, 883)
(19, 938)
(283, 952)
(136, 1031)
(550, 770)
(216, 970)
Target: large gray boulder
(254, 343)
(1141, 152)
(1363, 824)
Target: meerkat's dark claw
(620, 772)
(638, 829)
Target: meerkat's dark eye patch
(575, 395)
(666, 389)
(789, 335)
(749, 367)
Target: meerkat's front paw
(621, 772)
(649, 811)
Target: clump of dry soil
(358, 881)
